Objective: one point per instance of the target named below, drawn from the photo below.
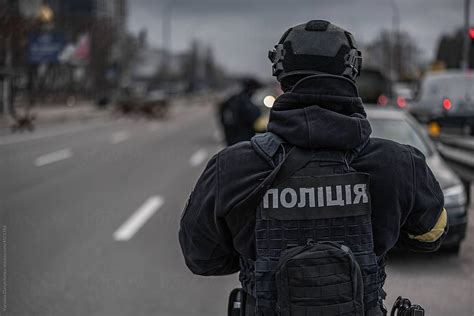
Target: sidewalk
(46, 114)
(84, 110)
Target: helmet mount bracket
(353, 63)
(276, 56)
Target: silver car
(447, 98)
(401, 127)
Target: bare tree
(396, 53)
(449, 51)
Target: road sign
(46, 47)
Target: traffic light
(471, 32)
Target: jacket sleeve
(426, 225)
(205, 242)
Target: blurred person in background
(314, 190)
(238, 114)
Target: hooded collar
(321, 112)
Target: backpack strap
(267, 145)
(296, 159)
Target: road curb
(46, 119)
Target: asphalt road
(92, 212)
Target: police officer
(238, 114)
(314, 187)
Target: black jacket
(321, 112)
(237, 116)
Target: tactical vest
(314, 223)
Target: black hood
(321, 111)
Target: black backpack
(320, 278)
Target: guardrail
(459, 153)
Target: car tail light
(447, 104)
(401, 102)
(382, 100)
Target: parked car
(447, 98)
(401, 127)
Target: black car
(401, 127)
(150, 103)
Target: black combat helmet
(317, 47)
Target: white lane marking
(53, 157)
(198, 157)
(138, 218)
(119, 137)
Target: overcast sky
(241, 32)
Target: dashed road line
(53, 157)
(119, 137)
(138, 218)
(198, 157)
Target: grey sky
(241, 32)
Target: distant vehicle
(447, 98)
(401, 127)
(264, 99)
(374, 87)
(152, 103)
(403, 94)
(404, 90)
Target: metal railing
(459, 153)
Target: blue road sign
(46, 47)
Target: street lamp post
(7, 81)
(166, 36)
(44, 19)
(45, 14)
(395, 51)
(467, 36)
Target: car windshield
(456, 88)
(400, 131)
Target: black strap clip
(403, 307)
